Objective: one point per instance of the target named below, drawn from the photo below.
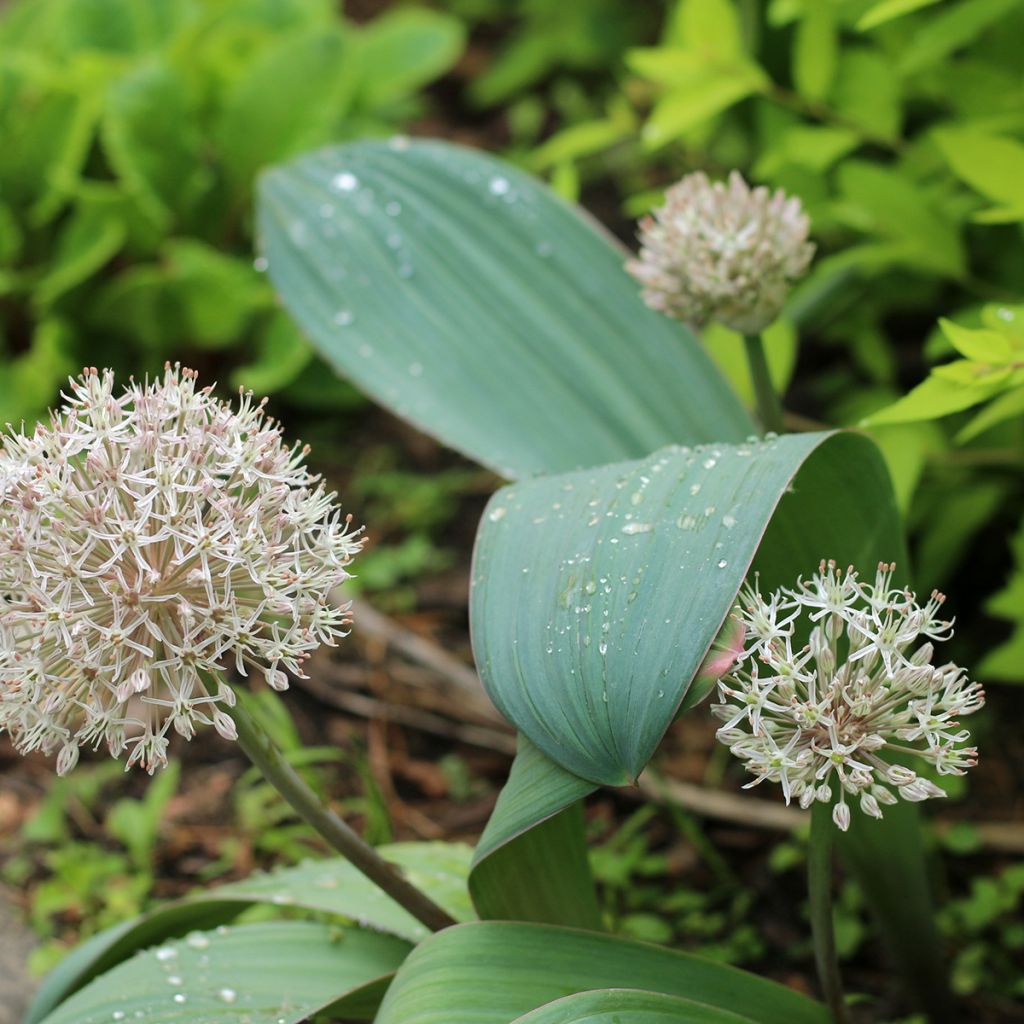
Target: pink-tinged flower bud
(722, 252)
(841, 816)
(143, 554)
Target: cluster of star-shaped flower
(822, 716)
(148, 541)
(722, 252)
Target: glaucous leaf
(463, 295)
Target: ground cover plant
(672, 537)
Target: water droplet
(695, 488)
(346, 181)
(180, 998)
(399, 143)
(394, 240)
(722, 563)
(393, 209)
(405, 270)
(604, 696)
(636, 497)
(260, 264)
(637, 528)
(415, 369)
(227, 995)
(499, 186)
(590, 587)
(175, 980)
(710, 463)
(344, 317)
(497, 514)
(117, 1015)
(728, 521)
(197, 940)
(165, 953)
(686, 522)
(602, 648)
(282, 899)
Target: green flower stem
(768, 406)
(260, 749)
(819, 887)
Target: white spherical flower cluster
(821, 717)
(149, 540)
(724, 253)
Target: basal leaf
(330, 886)
(493, 972)
(596, 594)
(274, 973)
(463, 295)
(613, 1006)
(530, 863)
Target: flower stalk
(769, 409)
(819, 890)
(265, 755)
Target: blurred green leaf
(816, 51)
(152, 140)
(941, 33)
(453, 976)
(992, 165)
(292, 98)
(887, 10)
(403, 49)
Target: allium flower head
(826, 717)
(722, 252)
(149, 540)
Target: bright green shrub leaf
(1006, 406)
(883, 201)
(330, 886)
(867, 93)
(289, 100)
(817, 148)
(463, 295)
(403, 50)
(90, 238)
(705, 96)
(1006, 662)
(984, 346)
(888, 10)
(991, 164)
(596, 594)
(492, 972)
(29, 379)
(264, 973)
(530, 863)
(281, 355)
(710, 27)
(948, 30)
(613, 1006)
(214, 294)
(152, 140)
(816, 52)
(939, 395)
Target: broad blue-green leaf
(492, 972)
(330, 886)
(463, 295)
(273, 973)
(530, 863)
(596, 594)
(614, 1006)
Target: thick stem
(768, 406)
(260, 749)
(819, 888)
